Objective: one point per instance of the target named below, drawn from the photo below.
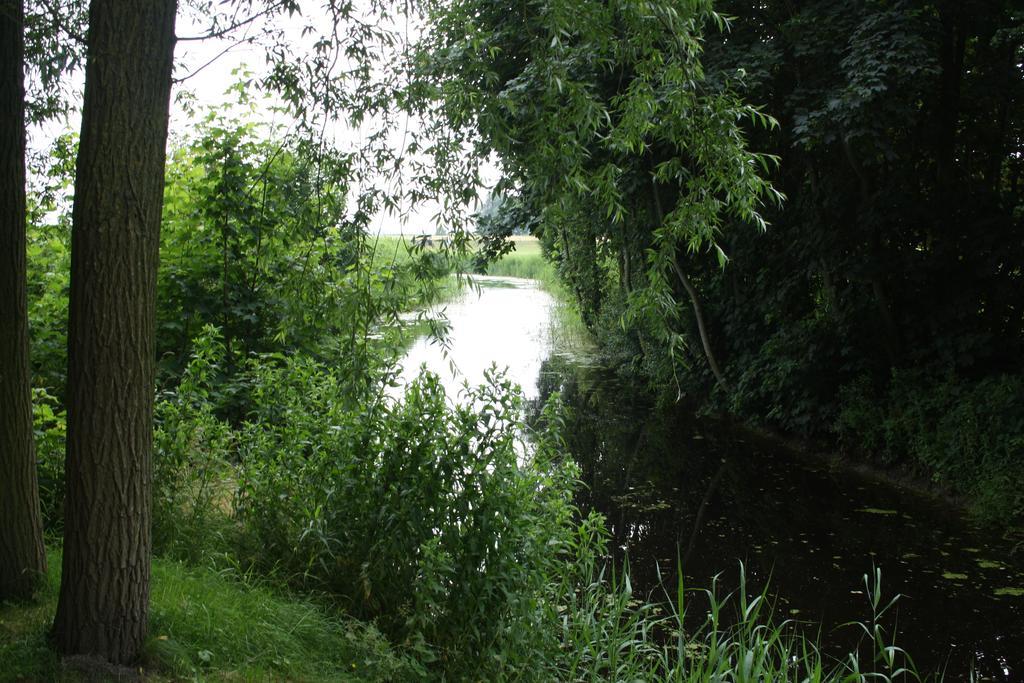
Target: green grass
(526, 261)
(208, 626)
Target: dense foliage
(882, 308)
(450, 528)
(891, 275)
(454, 535)
(259, 238)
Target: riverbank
(527, 261)
(952, 438)
(217, 626)
(208, 625)
(652, 479)
(682, 491)
(442, 482)
(587, 620)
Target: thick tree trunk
(22, 557)
(103, 606)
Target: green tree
(102, 608)
(888, 255)
(600, 114)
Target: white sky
(206, 68)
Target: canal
(700, 496)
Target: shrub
(50, 430)
(424, 516)
(968, 435)
(192, 473)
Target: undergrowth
(212, 626)
(414, 538)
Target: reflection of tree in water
(676, 487)
(639, 465)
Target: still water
(677, 489)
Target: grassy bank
(211, 626)
(208, 625)
(525, 260)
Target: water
(506, 322)
(675, 488)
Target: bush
(192, 474)
(967, 435)
(50, 429)
(423, 516)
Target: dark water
(675, 488)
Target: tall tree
(600, 113)
(22, 556)
(103, 605)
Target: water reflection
(506, 321)
(675, 488)
(678, 489)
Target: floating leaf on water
(877, 511)
(1012, 591)
(990, 564)
(909, 556)
(954, 576)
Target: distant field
(526, 245)
(525, 261)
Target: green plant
(212, 626)
(413, 512)
(967, 435)
(50, 432)
(192, 479)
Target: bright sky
(205, 70)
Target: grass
(606, 629)
(526, 260)
(209, 626)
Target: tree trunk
(103, 606)
(698, 310)
(702, 327)
(22, 556)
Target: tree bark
(102, 610)
(22, 555)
